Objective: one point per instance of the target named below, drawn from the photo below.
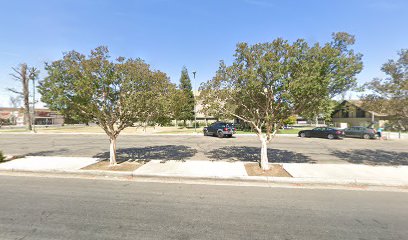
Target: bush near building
(2, 157)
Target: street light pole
(195, 114)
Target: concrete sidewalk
(40, 163)
(350, 172)
(339, 174)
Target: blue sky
(169, 34)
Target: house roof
(10, 109)
(360, 104)
(5, 115)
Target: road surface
(244, 148)
(47, 208)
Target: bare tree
(24, 74)
(15, 102)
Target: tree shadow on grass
(167, 152)
(253, 154)
(373, 157)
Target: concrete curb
(238, 179)
(73, 172)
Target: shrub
(2, 157)
(197, 124)
(243, 126)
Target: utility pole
(195, 103)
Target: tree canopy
(390, 95)
(113, 94)
(269, 82)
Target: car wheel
(220, 134)
(366, 136)
(205, 133)
(330, 136)
(302, 135)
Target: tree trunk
(112, 151)
(264, 155)
(27, 115)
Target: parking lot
(191, 147)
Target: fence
(395, 135)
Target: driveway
(284, 149)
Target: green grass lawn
(14, 130)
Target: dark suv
(220, 129)
(360, 132)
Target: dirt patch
(123, 166)
(276, 170)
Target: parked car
(323, 132)
(360, 132)
(220, 129)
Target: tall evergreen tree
(187, 101)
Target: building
(43, 116)
(206, 119)
(351, 113)
(199, 114)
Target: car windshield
(226, 124)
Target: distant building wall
(43, 116)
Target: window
(344, 113)
(360, 113)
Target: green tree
(2, 157)
(113, 94)
(390, 95)
(268, 82)
(178, 100)
(186, 101)
(290, 120)
(324, 111)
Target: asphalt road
(46, 208)
(245, 148)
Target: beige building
(43, 116)
(351, 113)
(199, 115)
